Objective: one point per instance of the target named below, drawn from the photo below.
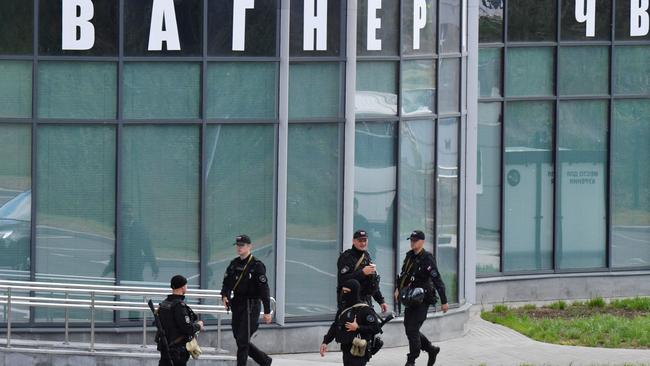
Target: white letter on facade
(419, 21)
(239, 23)
(374, 23)
(587, 15)
(163, 12)
(639, 18)
(70, 22)
(314, 24)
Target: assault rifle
(161, 336)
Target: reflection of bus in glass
(15, 232)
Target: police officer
(419, 271)
(179, 322)
(356, 264)
(355, 319)
(244, 285)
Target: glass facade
(566, 133)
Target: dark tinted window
(387, 32)
(16, 24)
(104, 20)
(572, 30)
(261, 28)
(490, 21)
(137, 22)
(531, 20)
(427, 33)
(334, 17)
(623, 21)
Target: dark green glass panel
(529, 72)
(376, 88)
(314, 90)
(584, 70)
(489, 72)
(15, 89)
(572, 30)
(16, 27)
(418, 87)
(531, 20)
(632, 73)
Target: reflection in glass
(240, 195)
(528, 186)
(630, 200)
(488, 189)
(333, 21)
(242, 90)
(449, 26)
(572, 30)
(449, 85)
(387, 33)
(161, 90)
(159, 205)
(427, 34)
(260, 31)
(15, 201)
(375, 194)
(416, 182)
(376, 88)
(313, 218)
(418, 87)
(314, 90)
(80, 90)
(490, 21)
(581, 178)
(75, 221)
(584, 70)
(447, 205)
(530, 71)
(632, 73)
(15, 89)
(531, 20)
(489, 72)
(622, 12)
(16, 27)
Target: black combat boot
(433, 353)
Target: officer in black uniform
(356, 264)
(179, 322)
(355, 319)
(244, 285)
(419, 270)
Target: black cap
(242, 239)
(416, 234)
(360, 234)
(178, 281)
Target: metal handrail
(93, 304)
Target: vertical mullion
(504, 77)
(203, 250)
(118, 147)
(557, 236)
(610, 154)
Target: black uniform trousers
(348, 359)
(178, 354)
(245, 321)
(414, 317)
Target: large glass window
(383, 30)
(572, 30)
(488, 195)
(531, 20)
(16, 27)
(327, 24)
(239, 194)
(314, 90)
(104, 21)
(581, 178)
(376, 88)
(242, 90)
(489, 72)
(449, 86)
(416, 182)
(159, 224)
(447, 204)
(419, 27)
(313, 218)
(490, 21)
(80, 90)
(529, 71)
(418, 87)
(15, 89)
(15, 201)
(259, 32)
(584, 71)
(161, 90)
(449, 26)
(630, 200)
(632, 72)
(375, 195)
(528, 186)
(137, 28)
(75, 203)
(623, 17)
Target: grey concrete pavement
(490, 345)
